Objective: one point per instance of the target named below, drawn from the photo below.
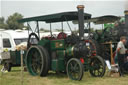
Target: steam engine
(112, 34)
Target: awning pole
(89, 29)
(38, 29)
(68, 24)
(51, 29)
(29, 27)
(62, 26)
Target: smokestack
(126, 5)
(81, 20)
(126, 18)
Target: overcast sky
(29, 8)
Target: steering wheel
(31, 39)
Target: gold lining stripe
(126, 12)
(64, 52)
(72, 51)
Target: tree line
(11, 22)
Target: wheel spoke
(97, 67)
(34, 61)
(74, 69)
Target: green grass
(13, 78)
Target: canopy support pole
(68, 24)
(89, 29)
(62, 26)
(51, 29)
(62, 29)
(102, 27)
(38, 29)
(29, 27)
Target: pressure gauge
(87, 44)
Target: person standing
(121, 51)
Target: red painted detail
(61, 35)
(86, 41)
(82, 60)
(94, 53)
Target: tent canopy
(101, 20)
(104, 19)
(57, 17)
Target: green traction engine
(70, 54)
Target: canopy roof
(101, 20)
(58, 17)
(104, 19)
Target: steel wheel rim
(74, 70)
(97, 67)
(34, 60)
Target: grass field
(13, 78)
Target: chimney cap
(126, 12)
(80, 6)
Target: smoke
(126, 4)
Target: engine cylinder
(78, 50)
(81, 49)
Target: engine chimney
(81, 20)
(126, 18)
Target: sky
(29, 8)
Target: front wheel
(97, 67)
(75, 69)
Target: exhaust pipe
(126, 25)
(81, 20)
(126, 19)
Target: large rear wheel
(47, 61)
(75, 69)
(36, 61)
(97, 67)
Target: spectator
(121, 51)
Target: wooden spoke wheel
(97, 67)
(75, 69)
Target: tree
(2, 23)
(45, 30)
(2, 20)
(12, 22)
(59, 30)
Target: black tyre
(35, 60)
(7, 66)
(31, 40)
(75, 69)
(97, 67)
(44, 72)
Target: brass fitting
(80, 6)
(126, 12)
